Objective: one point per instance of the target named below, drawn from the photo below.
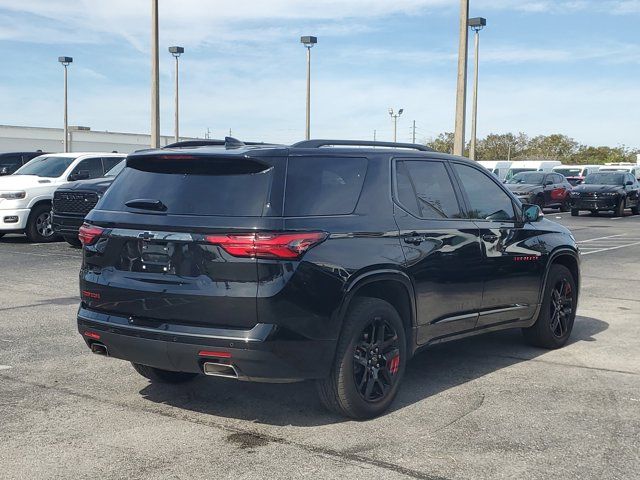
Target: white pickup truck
(25, 196)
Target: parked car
(25, 196)
(606, 190)
(520, 166)
(72, 202)
(632, 168)
(11, 161)
(315, 261)
(575, 174)
(499, 168)
(542, 189)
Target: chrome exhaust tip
(220, 370)
(99, 349)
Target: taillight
(89, 234)
(268, 245)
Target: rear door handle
(490, 237)
(416, 239)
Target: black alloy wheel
(369, 363)
(376, 360)
(561, 307)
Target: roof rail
(359, 143)
(194, 143)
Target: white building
(81, 139)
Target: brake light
(89, 234)
(214, 354)
(92, 335)
(268, 245)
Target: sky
(546, 66)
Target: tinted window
(203, 187)
(323, 185)
(604, 178)
(424, 189)
(45, 166)
(487, 201)
(529, 178)
(91, 165)
(10, 163)
(569, 172)
(117, 169)
(110, 162)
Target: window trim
(467, 205)
(448, 170)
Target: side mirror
(79, 175)
(531, 213)
(629, 182)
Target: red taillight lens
(89, 234)
(92, 335)
(268, 245)
(214, 354)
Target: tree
(552, 147)
(501, 146)
(442, 143)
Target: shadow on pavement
(430, 372)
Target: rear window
(323, 185)
(224, 187)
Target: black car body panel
(157, 289)
(551, 191)
(598, 197)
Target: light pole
(308, 42)
(65, 61)
(461, 93)
(155, 78)
(395, 116)
(476, 25)
(176, 52)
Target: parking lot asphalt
(485, 407)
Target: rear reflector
(92, 335)
(89, 234)
(210, 353)
(268, 245)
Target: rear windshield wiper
(147, 204)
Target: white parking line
(611, 248)
(601, 238)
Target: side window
(110, 162)
(91, 165)
(323, 185)
(10, 163)
(487, 201)
(424, 189)
(558, 178)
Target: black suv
(72, 202)
(12, 161)
(600, 191)
(547, 190)
(315, 261)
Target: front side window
(487, 201)
(46, 166)
(529, 178)
(93, 166)
(605, 178)
(424, 189)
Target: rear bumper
(14, 219)
(66, 224)
(263, 353)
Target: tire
(539, 201)
(634, 211)
(594, 212)
(558, 311)
(39, 228)
(575, 212)
(353, 388)
(619, 211)
(163, 376)
(73, 241)
(564, 206)
(1, 235)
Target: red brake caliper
(394, 364)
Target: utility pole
(155, 78)
(461, 93)
(476, 24)
(374, 135)
(414, 131)
(308, 41)
(176, 52)
(65, 61)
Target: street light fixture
(476, 24)
(395, 116)
(308, 42)
(65, 61)
(176, 52)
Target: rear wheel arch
(569, 259)
(393, 287)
